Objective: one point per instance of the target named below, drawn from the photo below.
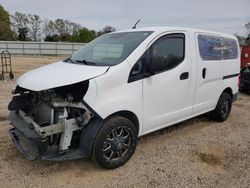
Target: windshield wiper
(85, 62)
(70, 60)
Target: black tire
(115, 143)
(223, 108)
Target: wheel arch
(129, 115)
(218, 113)
(229, 91)
(89, 133)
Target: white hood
(58, 74)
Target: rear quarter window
(217, 48)
(230, 48)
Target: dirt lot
(195, 153)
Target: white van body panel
(209, 89)
(191, 98)
(205, 99)
(120, 85)
(107, 97)
(58, 74)
(157, 101)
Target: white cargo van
(121, 86)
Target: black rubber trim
(89, 133)
(88, 136)
(235, 96)
(54, 154)
(230, 76)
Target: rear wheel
(115, 143)
(223, 108)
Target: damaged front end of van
(52, 123)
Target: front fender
(111, 93)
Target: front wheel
(223, 108)
(115, 143)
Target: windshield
(110, 49)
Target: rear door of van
(209, 72)
(231, 62)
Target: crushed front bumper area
(33, 145)
(31, 148)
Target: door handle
(204, 72)
(184, 76)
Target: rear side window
(209, 47)
(230, 50)
(217, 48)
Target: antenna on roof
(134, 27)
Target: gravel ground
(194, 153)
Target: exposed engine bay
(56, 115)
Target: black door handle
(204, 72)
(184, 76)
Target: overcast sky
(228, 16)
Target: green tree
(48, 27)
(5, 25)
(60, 26)
(23, 34)
(248, 27)
(247, 41)
(52, 38)
(35, 23)
(241, 39)
(20, 23)
(75, 27)
(84, 35)
(65, 37)
(106, 29)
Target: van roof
(165, 29)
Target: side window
(210, 47)
(230, 48)
(217, 48)
(170, 48)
